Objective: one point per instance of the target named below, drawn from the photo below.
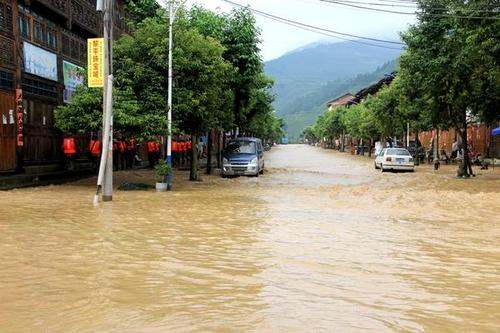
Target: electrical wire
(335, 36)
(408, 13)
(315, 28)
(415, 5)
(406, 5)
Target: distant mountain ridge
(307, 77)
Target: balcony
(59, 6)
(85, 15)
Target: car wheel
(382, 167)
(376, 166)
(262, 171)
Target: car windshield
(398, 152)
(241, 147)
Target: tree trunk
(209, 152)
(417, 149)
(193, 175)
(435, 144)
(342, 143)
(220, 145)
(370, 147)
(465, 164)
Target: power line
(415, 5)
(408, 13)
(406, 5)
(332, 35)
(399, 5)
(315, 28)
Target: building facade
(42, 45)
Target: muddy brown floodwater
(321, 243)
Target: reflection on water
(322, 242)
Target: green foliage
(141, 9)
(452, 63)
(218, 78)
(83, 114)
(162, 170)
(448, 75)
(301, 108)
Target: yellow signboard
(95, 47)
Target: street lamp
(173, 7)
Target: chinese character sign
(95, 49)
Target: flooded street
(322, 242)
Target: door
(7, 132)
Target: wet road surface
(322, 242)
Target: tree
(218, 78)
(241, 40)
(453, 62)
(142, 9)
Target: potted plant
(162, 169)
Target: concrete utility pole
(107, 194)
(105, 179)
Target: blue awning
(496, 131)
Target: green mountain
(307, 78)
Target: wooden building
(340, 101)
(42, 42)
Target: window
(6, 80)
(51, 39)
(39, 32)
(398, 152)
(36, 87)
(24, 26)
(241, 147)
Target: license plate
(239, 171)
(400, 160)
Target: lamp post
(172, 10)
(170, 176)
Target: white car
(394, 159)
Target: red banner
(19, 113)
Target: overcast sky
(278, 38)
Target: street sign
(95, 47)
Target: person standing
(130, 153)
(69, 148)
(95, 153)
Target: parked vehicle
(394, 159)
(243, 157)
(416, 151)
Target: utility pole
(105, 179)
(107, 194)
